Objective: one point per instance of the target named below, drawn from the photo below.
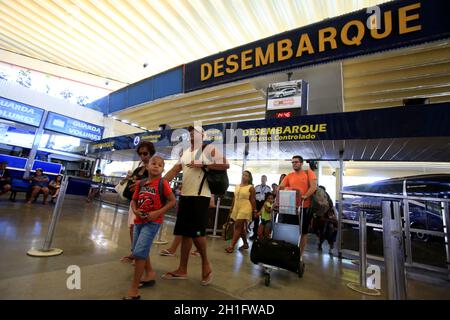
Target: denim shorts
(143, 235)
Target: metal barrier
(46, 250)
(216, 218)
(160, 240)
(394, 257)
(394, 254)
(362, 286)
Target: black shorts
(265, 222)
(293, 219)
(259, 204)
(192, 217)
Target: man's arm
(311, 190)
(282, 185)
(176, 169)
(219, 161)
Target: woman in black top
(145, 150)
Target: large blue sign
(73, 127)
(394, 24)
(19, 112)
(397, 122)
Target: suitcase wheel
(267, 279)
(301, 269)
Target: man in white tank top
(192, 217)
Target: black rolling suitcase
(276, 253)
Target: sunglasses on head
(143, 153)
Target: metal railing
(407, 230)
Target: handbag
(228, 229)
(120, 188)
(218, 182)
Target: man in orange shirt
(306, 183)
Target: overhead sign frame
(73, 127)
(20, 112)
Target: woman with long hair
(242, 210)
(145, 150)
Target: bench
(21, 185)
(18, 185)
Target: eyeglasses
(143, 153)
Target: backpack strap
(162, 196)
(197, 156)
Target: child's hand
(153, 215)
(137, 213)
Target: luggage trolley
(290, 233)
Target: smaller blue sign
(73, 127)
(19, 112)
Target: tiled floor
(95, 237)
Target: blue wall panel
(101, 105)
(158, 86)
(118, 100)
(140, 92)
(168, 83)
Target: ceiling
(113, 39)
(384, 80)
(377, 81)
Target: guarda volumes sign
(394, 24)
(73, 127)
(20, 112)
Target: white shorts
(131, 217)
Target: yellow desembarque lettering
(301, 129)
(284, 49)
(103, 145)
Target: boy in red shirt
(149, 208)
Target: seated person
(39, 183)
(95, 186)
(5, 178)
(54, 186)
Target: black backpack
(160, 190)
(217, 179)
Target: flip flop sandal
(244, 247)
(229, 250)
(195, 253)
(146, 284)
(173, 276)
(132, 298)
(166, 253)
(208, 279)
(127, 259)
